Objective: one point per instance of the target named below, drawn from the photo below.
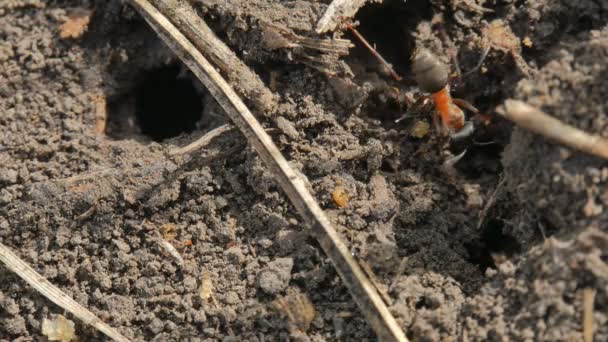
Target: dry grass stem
(533, 119)
(292, 183)
(202, 141)
(54, 294)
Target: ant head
(430, 73)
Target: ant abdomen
(430, 73)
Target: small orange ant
(432, 76)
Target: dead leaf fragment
(76, 24)
(58, 329)
(298, 309)
(499, 35)
(206, 289)
(420, 129)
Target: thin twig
(551, 128)
(81, 177)
(336, 12)
(373, 51)
(54, 294)
(490, 203)
(202, 141)
(245, 81)
(293, 184)
(588, 299)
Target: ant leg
(483, 118)
(464, 133)
(437, 122)
(484, 54)
(406, 116)
(416, 109)
(448, 164)
(464, 104)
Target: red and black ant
(432, 76)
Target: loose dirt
(499, 247)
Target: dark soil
(499, 247)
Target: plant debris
(58, 328)
(76, 24)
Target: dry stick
(245, 81)
(539, 122)
(23, 270)
(202, 141)
(336, 12)
(294, 185)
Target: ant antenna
(373, 51)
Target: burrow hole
(163, 104)
(492, 242)
(389, 27)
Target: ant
(432, 76)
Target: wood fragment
(588, 299)
(336, 12)
(551, 128)
(294, 185)
(202, 141)
(54, 294)
(101, 113)
(275, 37)
(168, 246)
(246, 82)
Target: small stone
(8, 176)
(15, 325)
(265, 243)
(5, 197)
(156, 326)
(287, 127)
(507, 268)
(189, 284)
(491, 272)
(235, 255)
(275, 277)
(286, 240)
(121, 245)
(232, 297)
